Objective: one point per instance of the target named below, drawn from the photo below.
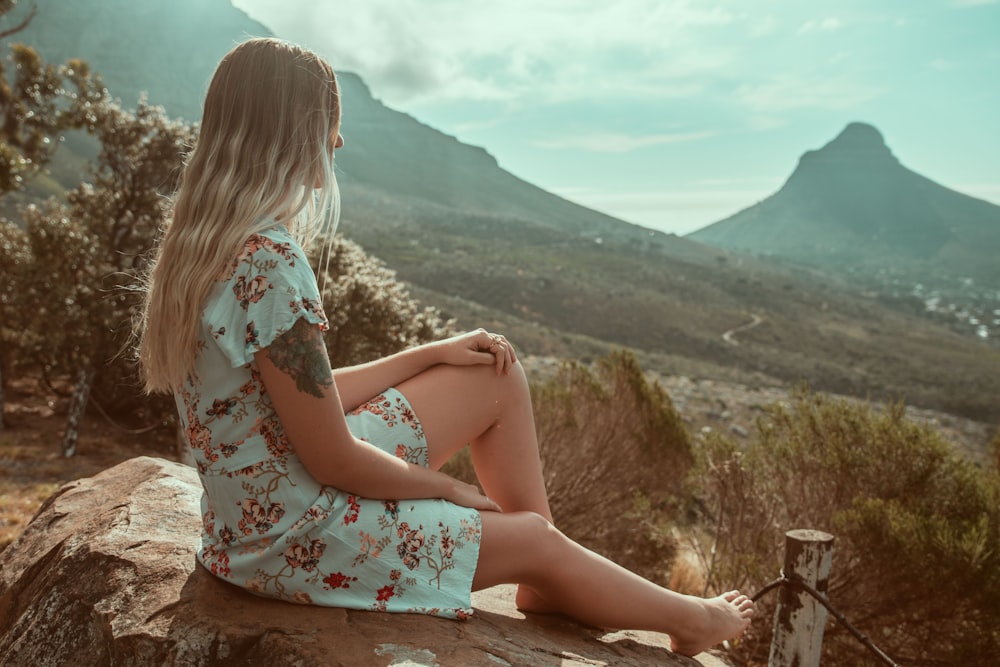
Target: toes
(731, 595)
(738, 600)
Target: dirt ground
(32, 466)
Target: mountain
(491, 250)
(169, 50)
(851, 204)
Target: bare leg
(459, 405)
(524, 548)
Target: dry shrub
(995, 450)
(917, 552)
(614, 451)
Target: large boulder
(106, 574)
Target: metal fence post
(799, 618)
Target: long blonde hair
(264, 155)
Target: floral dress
(268, 526)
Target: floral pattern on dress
(392, 412)
(267, 525)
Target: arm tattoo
(300, 354)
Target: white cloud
(517, 51)
(828, 24)
(788, 92)
(618, 143)
(763, 26)
(634, 74)
(763, 122)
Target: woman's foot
(712, 621)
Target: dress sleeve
(271, 288)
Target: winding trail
(728, 336)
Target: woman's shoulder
(269, 249)
(274, 241)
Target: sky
(674, 114)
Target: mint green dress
(268, 526)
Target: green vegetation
(917, 552)
(489, 249)
(917, 561)
(69, 267)
(659, 301)
(371, 313)
(35, 107)
(72, 297)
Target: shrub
(371, 313)
(995, 450)
(614, 452)
(917, 551)
(14, 256)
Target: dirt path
(728, 336)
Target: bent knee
(484, 383)
(538, 533)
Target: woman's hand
(478, 347)
(468, 495)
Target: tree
(87, 253)
(6, 6)
(35, 107)
(14, 257)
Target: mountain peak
(859, 135)
(859, 141)
(851, 203)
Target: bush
(14, 256)
(371, 313)
(614, 452)
(917, 551)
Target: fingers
(503, 353)
(469, 495)
(482, 343)
(490, 506)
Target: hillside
(853, 205)
(165, 49)
(491, 249)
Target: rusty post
(799, 618)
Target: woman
(323, 486)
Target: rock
(106, 574)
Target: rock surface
(106, 574)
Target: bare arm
(357, 384)
(296, 371)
